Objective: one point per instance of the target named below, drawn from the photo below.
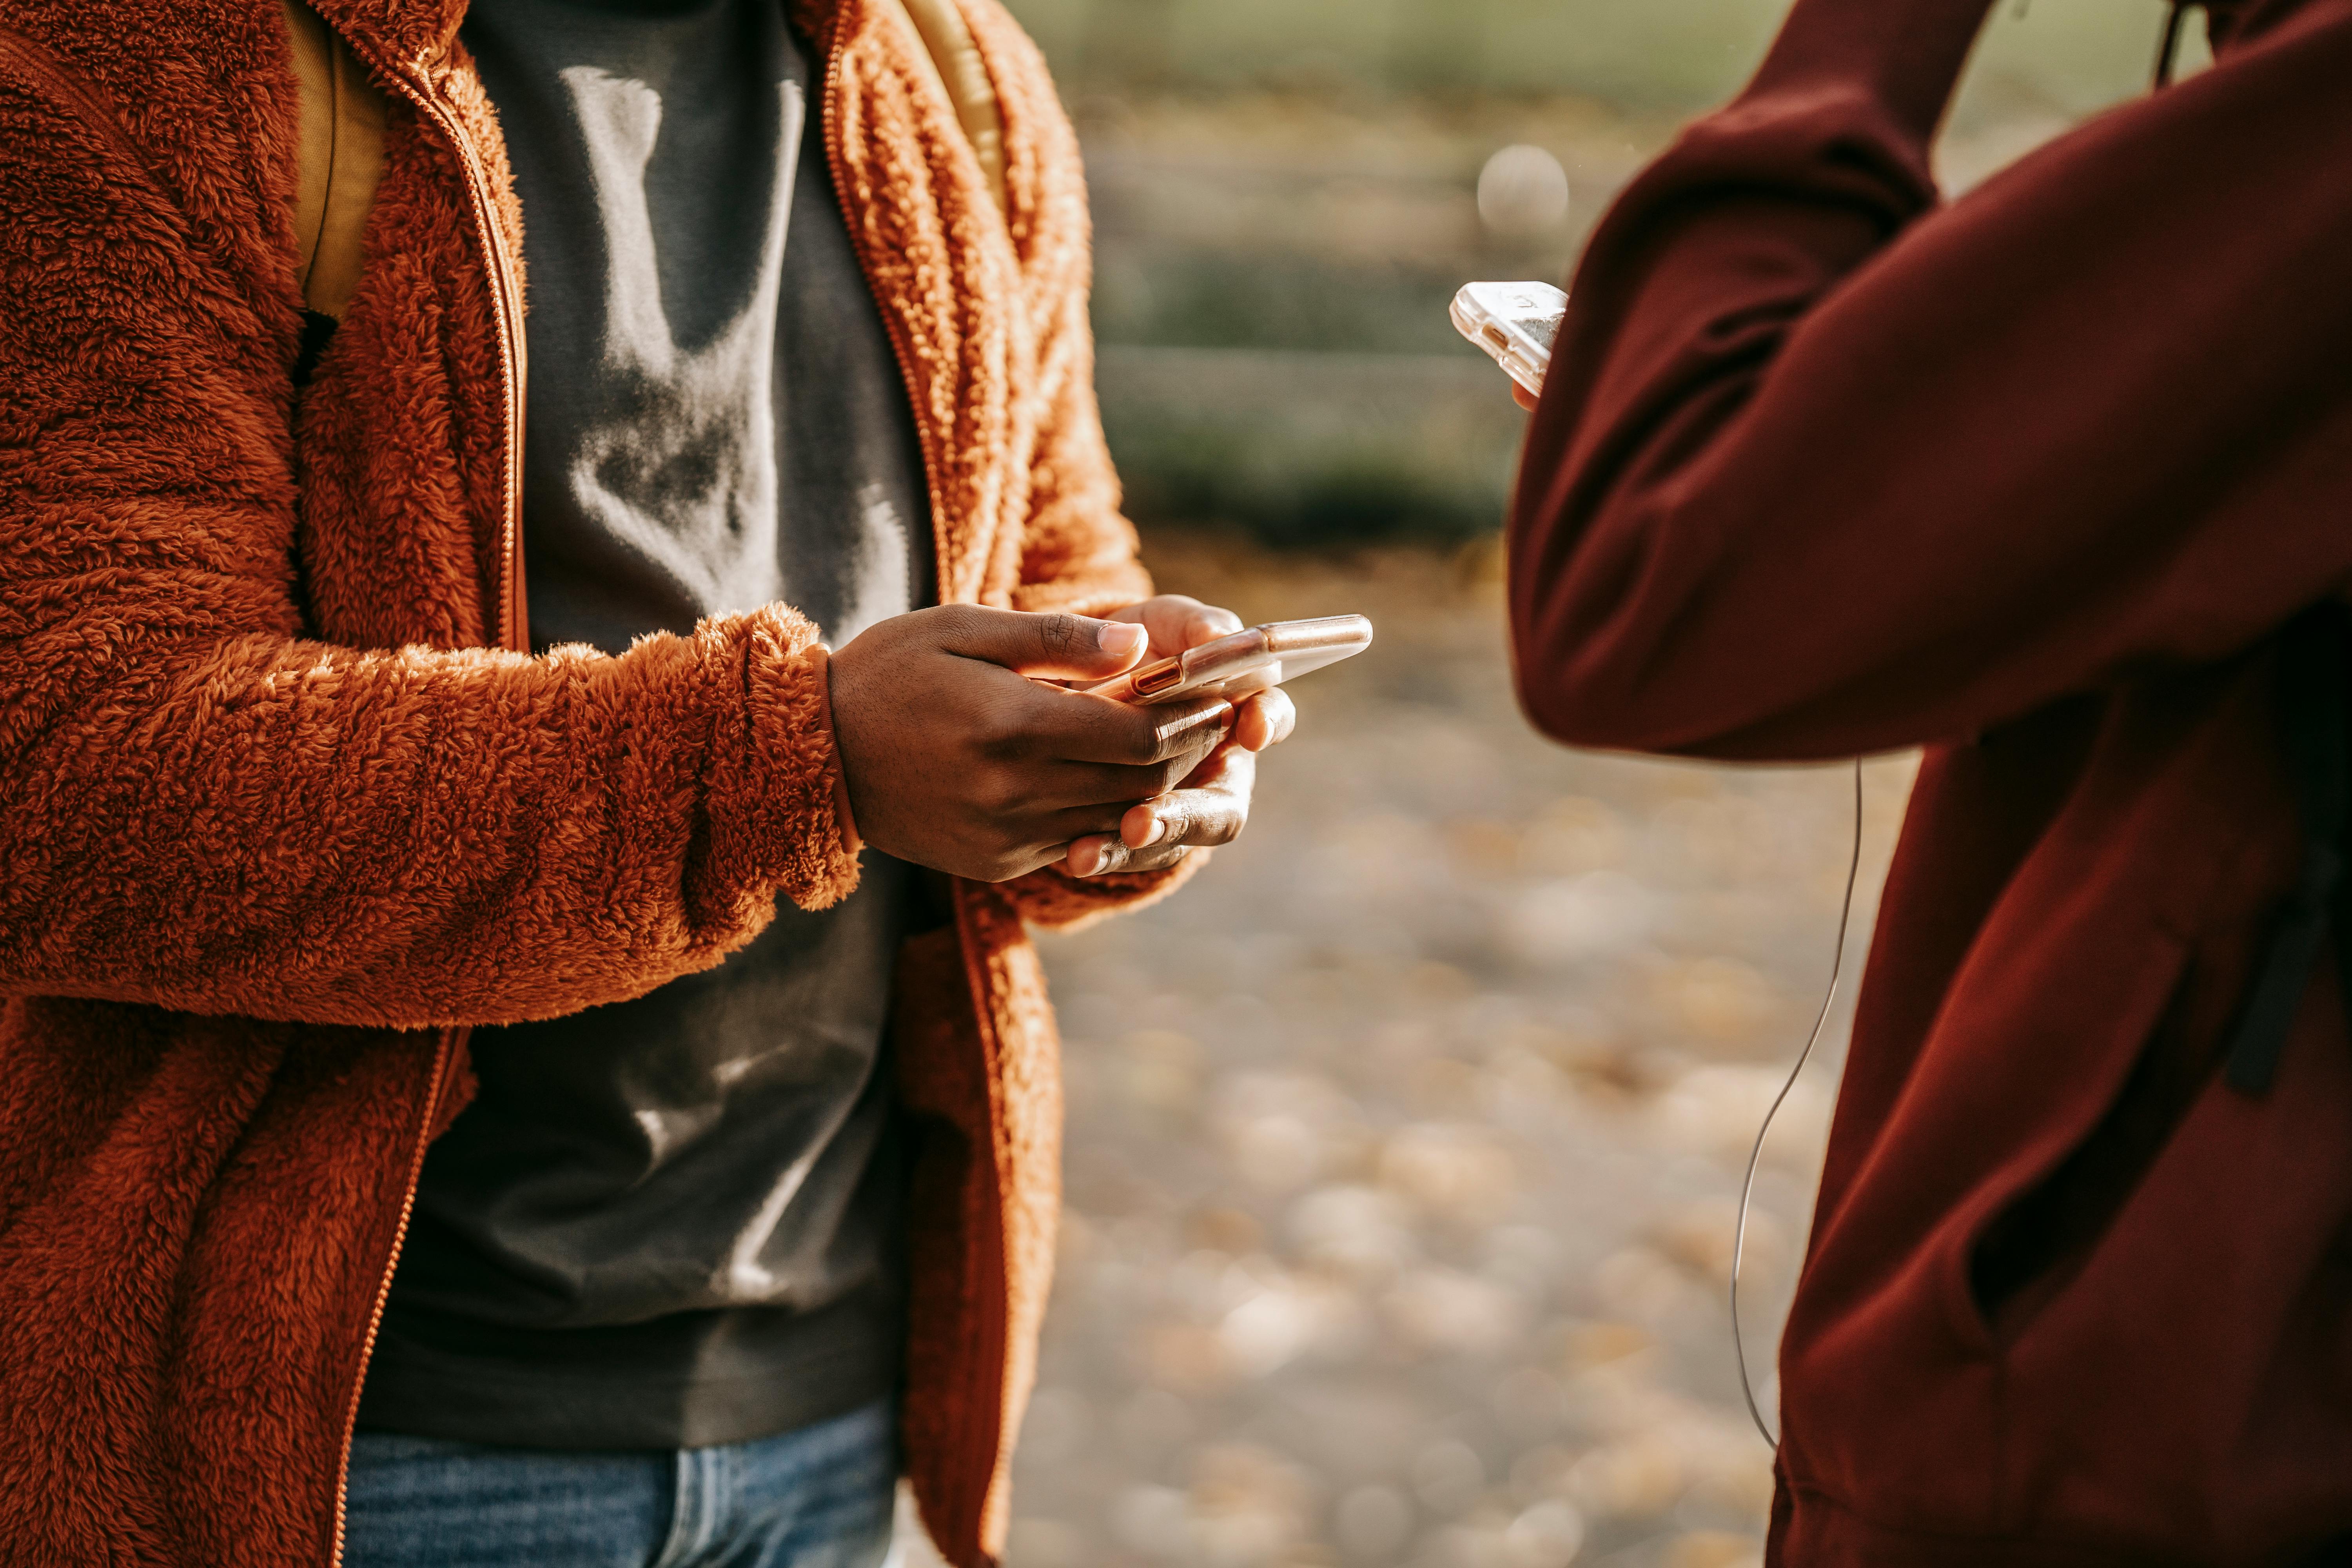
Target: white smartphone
(1515, 323)
(1244, 662)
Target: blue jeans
(817, 1498)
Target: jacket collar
(407, 37)
(414, 35)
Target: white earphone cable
(2167, 48)
(1756, 1155)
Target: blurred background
(1405, 1145)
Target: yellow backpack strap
(947, 38)
(338, 161)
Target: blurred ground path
(1404, 1142)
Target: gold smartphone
(1241, 663)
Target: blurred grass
(1306, 449)
(1669, 57)
(1284, 201)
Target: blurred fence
(1668, 55)
(1275, 181)
(1310, 446)
(1272, 283)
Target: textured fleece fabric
(2030, 479)
(676, 1221)
(276, 822)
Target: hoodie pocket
(2038, 1240)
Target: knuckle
(1064, 636)
(957, 623)
(1141, 743)
(1001, 731)
(1214, 620)
(998, 794)
(1208, 819)
(1188, 729)
(998, 856)
(977, 830)
(1182, 767)
(1197, 753)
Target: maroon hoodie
(2031, 480)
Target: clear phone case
(1245, 661)
(1515, 323)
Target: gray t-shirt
(676, 1221)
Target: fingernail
(1123, 638)
(1159, 831)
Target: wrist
(844, 820)
(1906, 54)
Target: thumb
(1051, 647)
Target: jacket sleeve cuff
(779, 806)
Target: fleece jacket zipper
(959, 1514)
(423, 83)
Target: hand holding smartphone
(1515, 323)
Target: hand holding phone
(959, 750)
(1515, 323)
(1200, 660)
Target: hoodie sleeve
(1824, 468)
(201, 808)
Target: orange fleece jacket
(278, 819)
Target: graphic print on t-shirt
(687, 475)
